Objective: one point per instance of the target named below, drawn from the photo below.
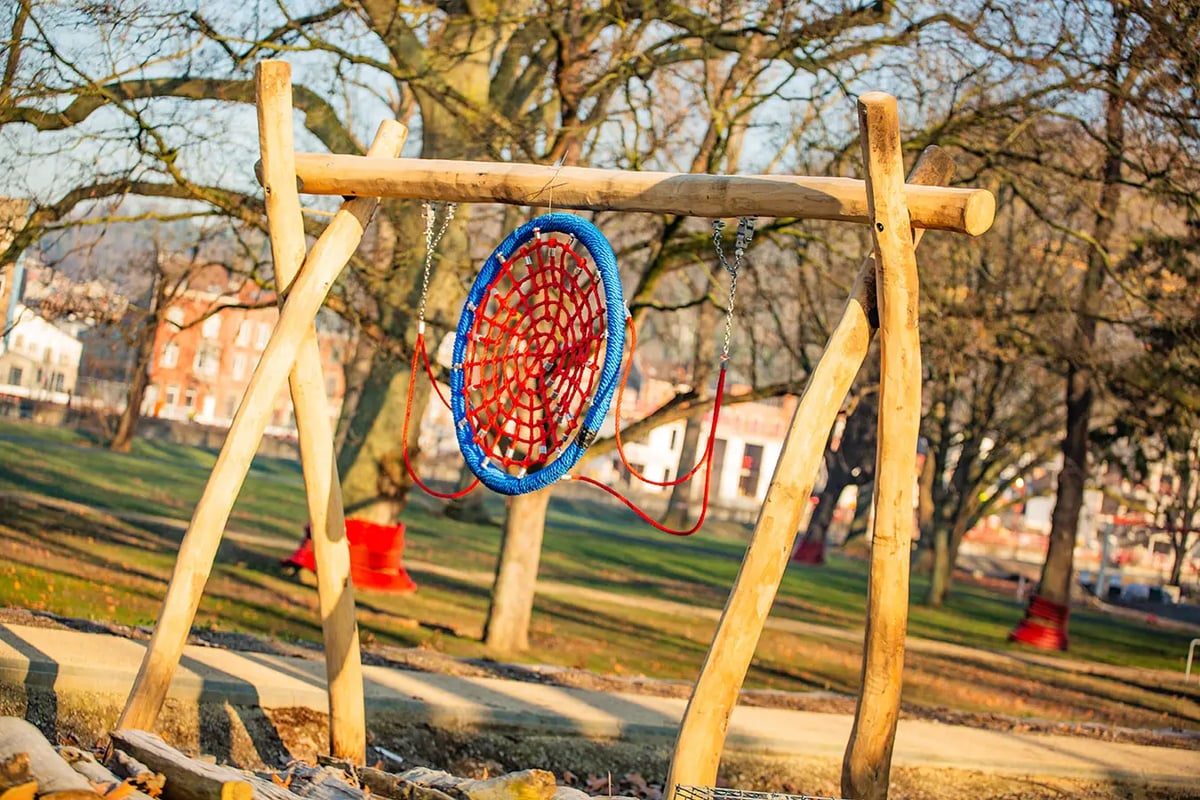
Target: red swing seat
(376, 556)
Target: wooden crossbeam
(936, 207)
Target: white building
(38, 359)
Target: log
(529, 784)
(394, 787)
(303, 781)
(198, 548)
(134, 771)
(186, 778)
(322, 783)
(959, 210)
(106, 783)
(867, 764)
(706, 719)
(41, 763)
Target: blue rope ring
(528, 352)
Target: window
(47, 356)
(207, 361)
(239, 366)
(171, 397)
(150, 401)
(189, 398)
(58, 381)
(170, 357)
(264, 334)
(19, 343)
(63, 359)
(674, 436)
(14, 375)
(175, 317)
(40, 376)
(231, 402)
(245, 331)
(751, 468)
(211, 328)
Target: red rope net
(535, 354)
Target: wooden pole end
(877, 100)
(273, 69)
(979, 212)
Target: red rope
(707, 478)
(704, 458)
(420, 345)
(412, 379)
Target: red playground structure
(376, 556)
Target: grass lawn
(110, 558)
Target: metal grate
(715, 793)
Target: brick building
(209, 340)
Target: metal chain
(431, 242)
(745, 233)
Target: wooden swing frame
(887, 284)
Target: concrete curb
(71, 665)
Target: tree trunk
(1055, 583)
(679, 506)
(122, 440)
(862, 512)
(1180, 541)
(925, 505)
(818, 525)
(357, 372)
(939, 577)
(375, 483)
(507, 626)
(947, 538)
(469, 507)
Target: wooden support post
(867, 764)
(706, 719)
(199, 546)
(343, 659)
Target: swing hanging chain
(745, 233)
(432, 238)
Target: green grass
(111, 561)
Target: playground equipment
(885, 296)
(536, 354)
(376, 557)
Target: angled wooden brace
(705, 722)
(198, 549)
